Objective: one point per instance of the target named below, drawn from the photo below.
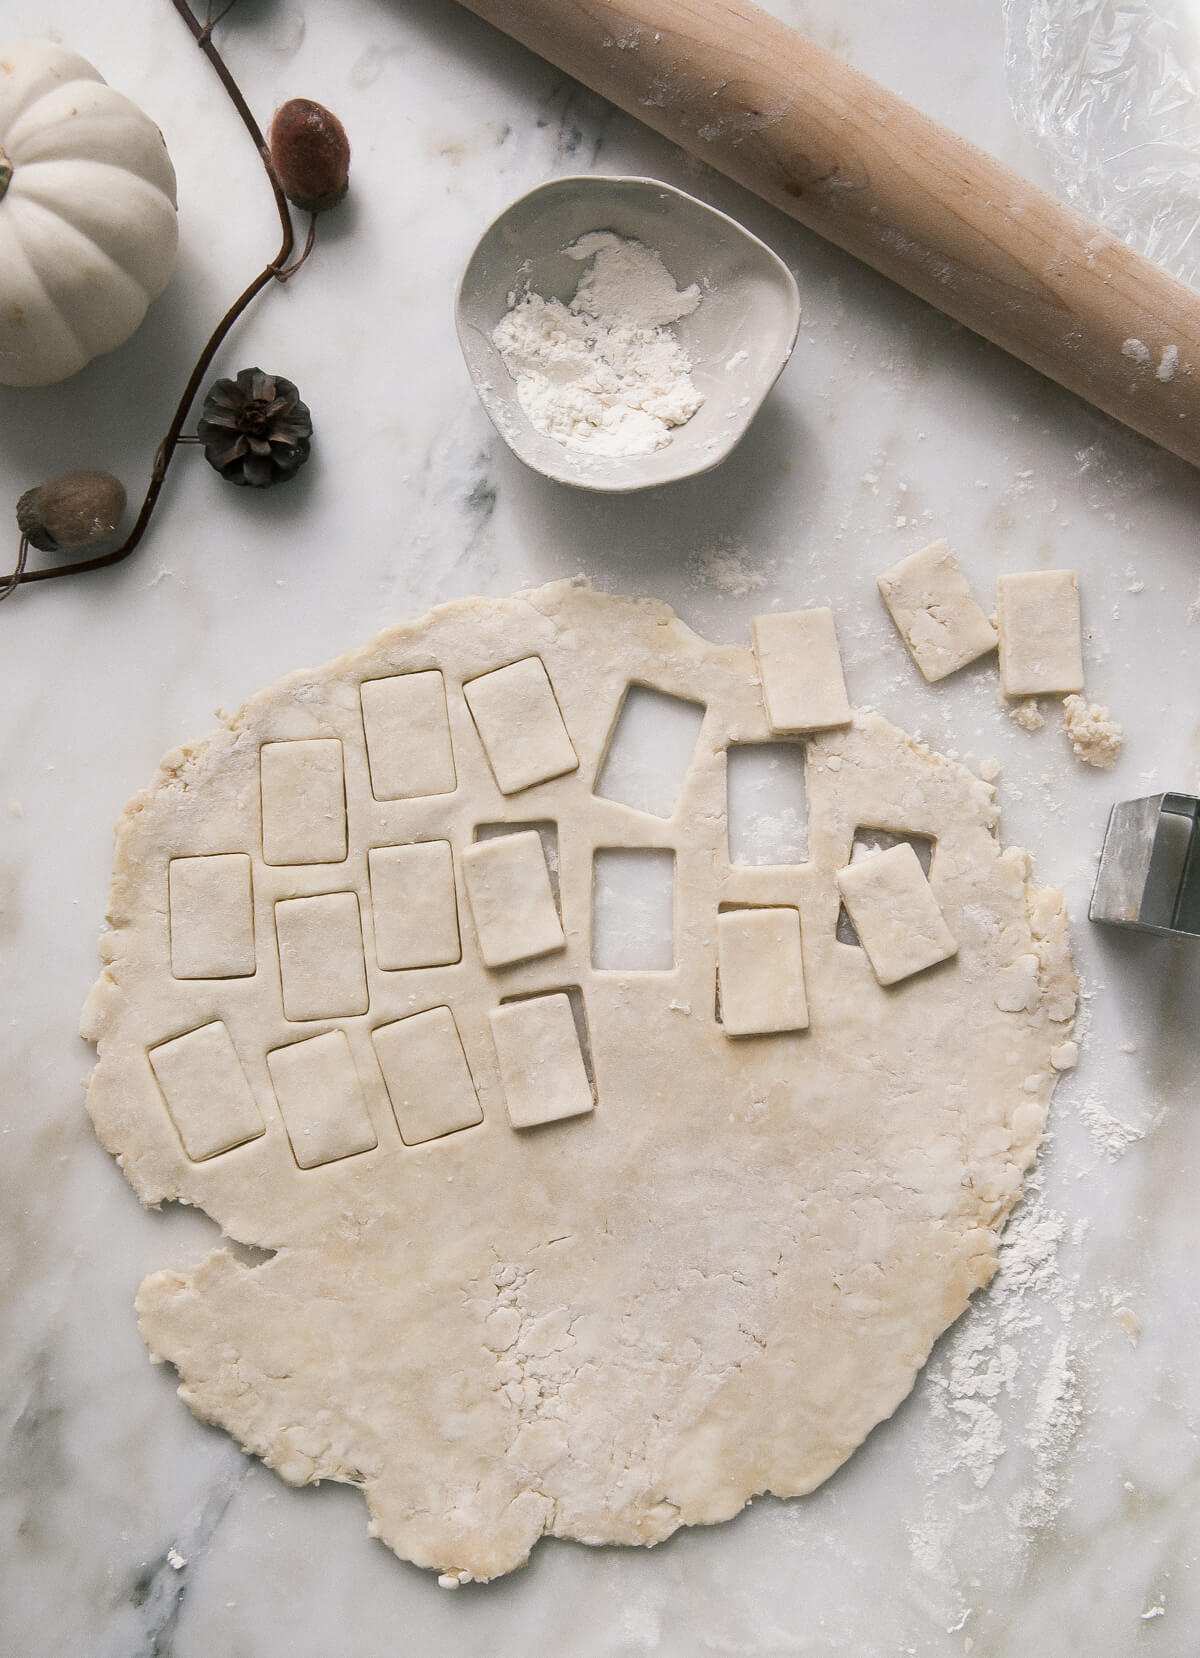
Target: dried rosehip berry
(255, 430)
(310, 154)
(70, 512)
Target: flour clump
(604, 373)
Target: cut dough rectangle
(937, 615)
(761, 971)
(321, 1099)
(321, 963)
(520, 726)
(414, 906)
(1041, 649)
(303, 802)
(212, 917)
(541, 1061)
(409, 751)
(800, 667)
(206, 1092)
(895, 914)
(512, 901)
(426, 1075)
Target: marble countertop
(1036, 1494)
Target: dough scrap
(1095, 737)
(800, 665)
(1037, 616)
(711, 1282)
(935, 612)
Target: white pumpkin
(87, 214)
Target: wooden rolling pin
(757, 101)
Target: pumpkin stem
(6, 172)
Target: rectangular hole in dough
(650, 751)
(547, 832)
(633, 908)
(867, 841)
(407, 732)
(766, 803)
(574, 995)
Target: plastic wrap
(1111, 91)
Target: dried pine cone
(255, 430)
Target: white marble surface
(1037, 1492)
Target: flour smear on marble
(604, 373)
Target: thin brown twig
(277, 271)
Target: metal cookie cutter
(1149, 875)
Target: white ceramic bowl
(738, 338)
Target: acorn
(310, 154)
(71, 512)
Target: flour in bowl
(605, 373)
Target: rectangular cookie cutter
(1149, 875)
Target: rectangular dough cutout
(935, 612)
(1041, 644)
(303, 802)
(650, 751)
(520, 726)
(321, 963)
(800, 666)
(512, 900)
(761, 971)
(766, 803)
(541, 1060)
(633, 908)
(426, 1075)
(206, 1092)
(414, 906)
(895, 914)
(321, 1100)
(211, 911)
(409, 751)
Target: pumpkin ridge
(52, 313)
(103, 119)
(68, 329)
(40, 198)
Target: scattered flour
(604, 374)
(1136, 350)
(1109, 1136)
(1014, 1357)
(1096, 739)
(725, 568)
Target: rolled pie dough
(553, 1251)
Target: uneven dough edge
(187, 1318)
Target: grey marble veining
(1036, 1496)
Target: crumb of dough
(1027, 715)
(989, 769)
(1095, 738)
